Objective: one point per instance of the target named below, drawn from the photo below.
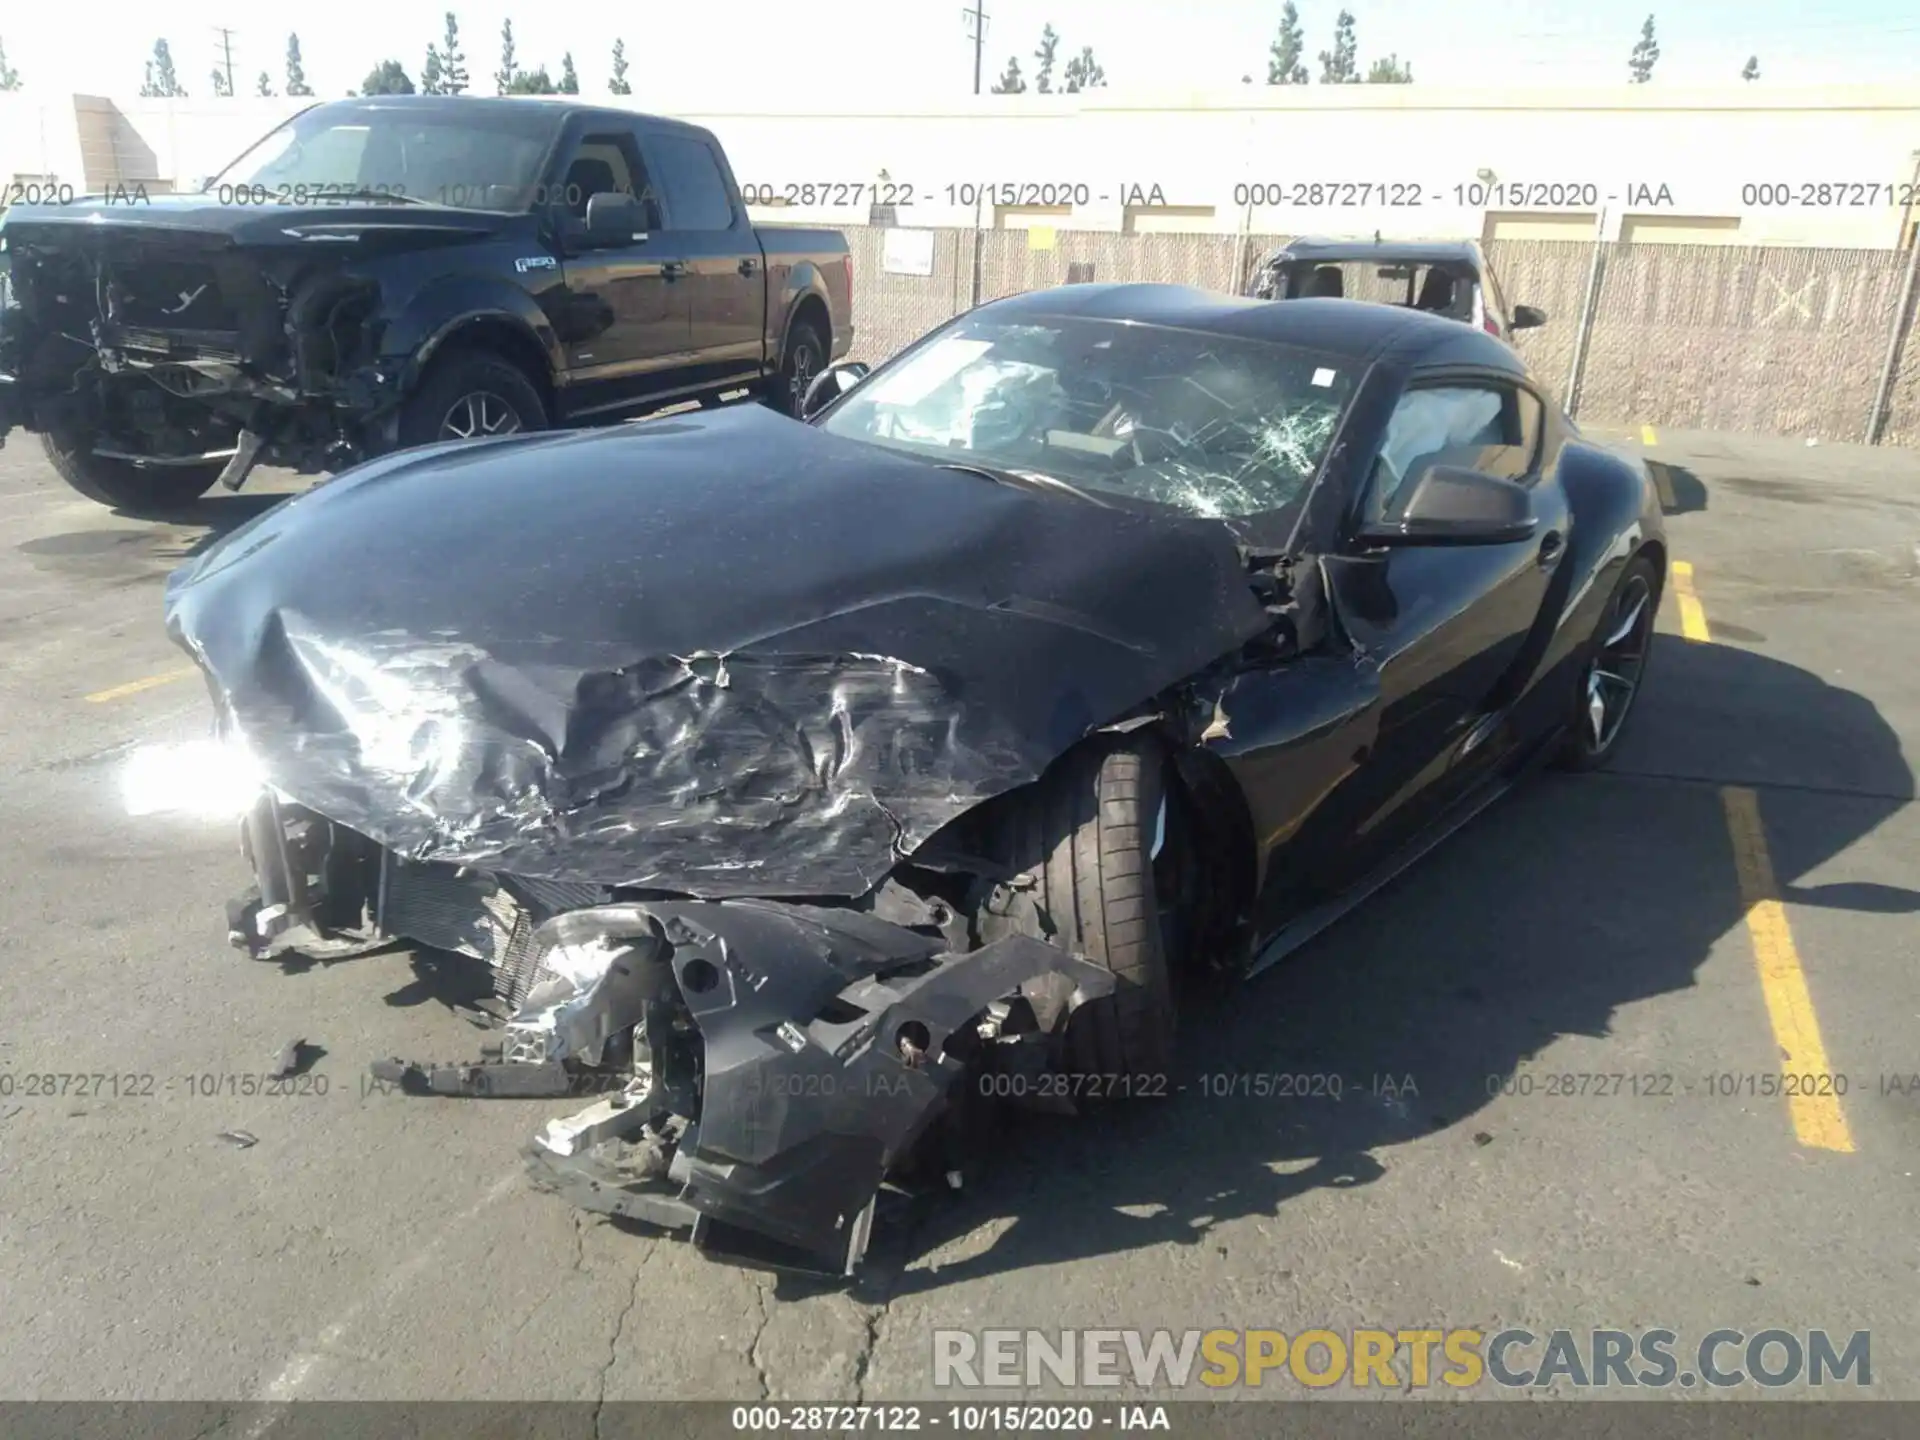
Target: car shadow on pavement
(1681, 491)
(217, 515)
(1575, 896)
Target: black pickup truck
(386, 272)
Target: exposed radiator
(488, 917)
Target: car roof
(1351, 329)
(1466, 252)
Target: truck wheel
(805, 357)
(1086, 834)
(139, 490)
(470, 394)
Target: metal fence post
(1895, 334)
(976, 250)
(1584, 330)
(1240, 286)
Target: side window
(1532, 419)
(1474, 425)
(603, 164)
(696, 191)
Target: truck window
(696, 191)
(601, 163)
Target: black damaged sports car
(800, 782)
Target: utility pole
(226, 54)
(976, 23)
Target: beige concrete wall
(1147, 163)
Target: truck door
(626, 315)
(725, 280)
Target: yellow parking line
(134, 687)
(1817, 1118)
(1818, 1121)
(1647, 437)
(1693, 618)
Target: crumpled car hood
(718, 654)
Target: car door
(626, 319)
(723, 284)
(1445, 625)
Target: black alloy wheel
(1616, 665)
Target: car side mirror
(830, 384)
(614, 218)
(1455, 505)
(1528, 317)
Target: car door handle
(673, 269)
(1550, 546)
(747, 267)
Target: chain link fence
(1763, 339)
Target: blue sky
(806, 53)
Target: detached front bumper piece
(786, 1058)
(761, 1067)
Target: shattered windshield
(481, 159)
(1214, 426)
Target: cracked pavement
(377, 1246)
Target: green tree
(569, 79)
(1341, 65)
(1390, 72)
(161, 81)
(618, 84)
(9, 77)
(432, 76)
(296, 72)
(1283, 56)
(220, 85)
(509, 71)
(1010, 81)
(453, 64)
(264, 87)
(1645, 52)
(531, 82)
(1748, 71)
(1084, 72)
(1043, 75)
(387, 78)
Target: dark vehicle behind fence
(1442, 277)
(380, 273)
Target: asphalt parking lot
(1739, 896)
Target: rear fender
(802, 281)
(1616, 512)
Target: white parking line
(292, 1377)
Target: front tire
(139, 490)
(1086, 835)
(469, 394)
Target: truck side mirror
(614, 218)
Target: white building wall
(1402, 160)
